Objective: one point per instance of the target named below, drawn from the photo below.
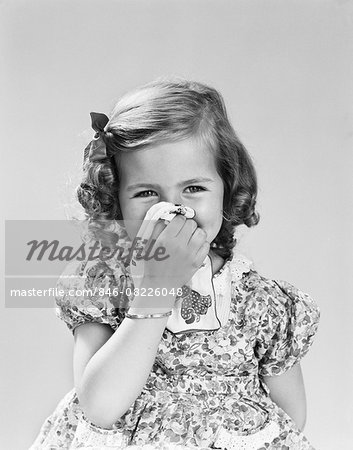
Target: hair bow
(96, 150)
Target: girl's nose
(172, 199)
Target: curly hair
(171, 109)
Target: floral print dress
(206, 388)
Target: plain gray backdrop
(285, 71)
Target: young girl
(205, 352)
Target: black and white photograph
(177, 227)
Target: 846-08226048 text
(100, 292)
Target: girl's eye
(140, 194)
(196, 187)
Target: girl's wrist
(153, 299)
(156, 283)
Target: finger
(175, 225)
(198, 237)
(202, 253)
(159, 226)
(152, 215)
(188, 230)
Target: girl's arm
(288, 391)
(111, 368)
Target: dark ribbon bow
(96, 150)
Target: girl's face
(177, 172)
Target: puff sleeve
(287, 326)
(93, 291)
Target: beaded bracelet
(148, 316)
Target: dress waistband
(199, 381)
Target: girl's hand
(185, 247)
